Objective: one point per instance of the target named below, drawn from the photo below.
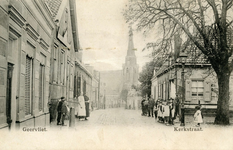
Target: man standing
(64, 111)
(59, 110)
(86, 98)
(146, 102)
(142, 104)
(151, 106)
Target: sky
(103, 34)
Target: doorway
(8, 94)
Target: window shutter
(188, 87)
(207, 90)
(41, 87)
(27, 85)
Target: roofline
(83, 68)
(175, 65)
(74, 24)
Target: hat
(197, 107)
(62, 98)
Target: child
(172, 112)
(166, 112)
(156, 109)
(198, 118)
(160, 112)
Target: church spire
(130, 51)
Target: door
(8, 94)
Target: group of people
(82, 112)
(165, 111)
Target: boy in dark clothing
(59, 110)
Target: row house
(200, 83)
(68, 75)
(25, 50)
(94, 92)
(40, 61)
(102, 95)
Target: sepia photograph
(116, 74)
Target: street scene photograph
(116, 74)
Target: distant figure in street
(81, 107)
(59, 110)
(92, 105)
(198, 117)
(151, 104)
(86, 98)
(142, 104)
(146, 103)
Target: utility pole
(98, 93)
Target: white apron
(81, 107)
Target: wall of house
(154, 88)
(25, 44)
(63, 56)
(200, 85)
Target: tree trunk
(222, 116)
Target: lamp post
(183, 57)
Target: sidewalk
(54, 126)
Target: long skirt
(87, 110)
(81, 111)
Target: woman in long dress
(81, 107)
(86, 98)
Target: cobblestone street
(120, 128)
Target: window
(78, 86)
(197, 89)
(84, 86)
(159, 90)
(41, 86)
(55, 64)
(214, 92)
(71, 81)
(62, 68)
(154, 92)
(28, 86)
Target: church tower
(130, 68)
